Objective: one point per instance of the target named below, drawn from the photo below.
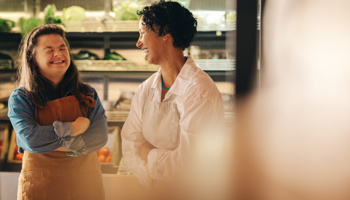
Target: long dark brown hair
(34, 82)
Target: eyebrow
(50, 47)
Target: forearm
(97, 135)
(36, 139)
(91, 140)
(145, 149)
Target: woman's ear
(166, 37)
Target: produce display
(50, 18)
(6, 61)
(17, 156)
(6, 25)
(1, 145)
(73, 13)
(27, 25)
(126, 10)
(112, 55)
(104, 155)
(85, 55)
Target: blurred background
(292, 133)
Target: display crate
(4, 143)
(13, 151)
(110, 165)
(6, 64)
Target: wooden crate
(12, 149)
(114, 145)
(4, 143)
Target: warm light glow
(295, 132)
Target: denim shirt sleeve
(30, 136)
(95, 137)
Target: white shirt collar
(182, 79)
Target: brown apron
(55, 175)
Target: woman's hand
(145, 149)
(80, 125)
(63, 149)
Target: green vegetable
(112, 55)
(6, 61)
(50, 15)
(127, 11)
(27, 25)
(6, 25)
(85, 55)
(73, 13)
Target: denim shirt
(45, 139)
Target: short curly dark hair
(170, 17)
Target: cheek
(38, 61)
(66, 54)
(68, 60)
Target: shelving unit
(123, 36)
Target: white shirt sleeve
(197, 115)
(132, 139)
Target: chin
(152, 62)
(149, 61)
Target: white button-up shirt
(192, 104)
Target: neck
(172, 68)
(55, 81)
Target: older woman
(172, 106)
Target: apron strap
(90, 102)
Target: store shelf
(126, 66)
(133, 26)
(100, 26)
(228, 25)
(208, 39)
(113, 66)
(117, 115)
(216, 64)
(121, 115)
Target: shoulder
(19, 98)
(18, 94)
(202, 85)
(143, 90)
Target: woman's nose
(57, 53)
(138, 43)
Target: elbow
(103, 137)
(39, 149)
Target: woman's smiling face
(151, 44)
(52, 57)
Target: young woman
(172, 107)
(59, 122)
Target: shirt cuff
(63, 130)
(153, 157)
(143, 175)
(76, 145)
